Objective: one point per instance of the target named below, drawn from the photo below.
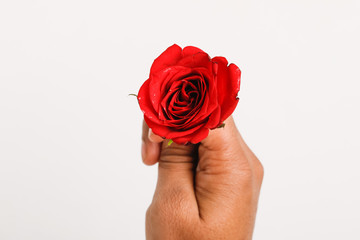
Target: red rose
(188, 93)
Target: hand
(204, 191)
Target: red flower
(188, 93)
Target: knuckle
(259, 170)
(173, 207)
(148, 214)
(177, 219)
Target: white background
(70, 164)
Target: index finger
(150, 151)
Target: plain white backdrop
(70, 165)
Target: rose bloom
(188, 93)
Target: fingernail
(149, 133)
(154, 138)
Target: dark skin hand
(204, 191)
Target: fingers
(175, 187)
(176, 164)
(150, 150)
(176, 168)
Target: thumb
(222, 170)
(220, 139)
(223, 147)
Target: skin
(204, 191)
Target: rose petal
(214, 119)
(190, 50)
(179, 73)
(228, 86)
(199, 135)
(197, 60)
(175, 133)
(145, 103)
(193, 138)
(158, 129)
(221, 60)
(167, 103)
(184, 111)
(168, 58)
(165, 106)
(209, 102)
(159, 80)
